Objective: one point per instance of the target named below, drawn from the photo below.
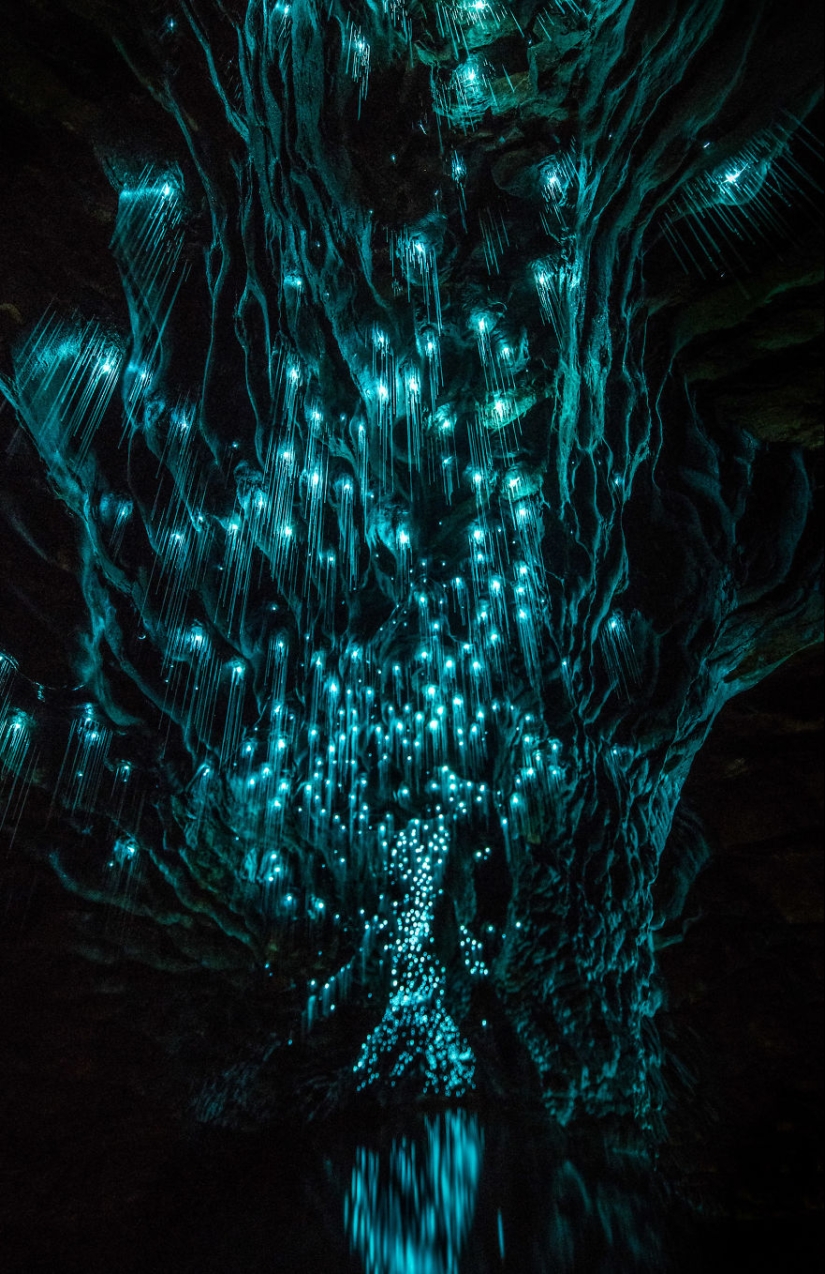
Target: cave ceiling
(411, 442)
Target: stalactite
(385, 576)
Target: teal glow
(409, 1210)
(365, 628)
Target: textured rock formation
(410, 449)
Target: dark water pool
(448, 1192)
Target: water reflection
(410, 1207)
(450, 1195)
(461, 1192)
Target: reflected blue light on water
(409, 1209)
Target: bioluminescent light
(358, 60)
(742, 200)
(417, 1032)
(364, 505)
(411, 1208)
